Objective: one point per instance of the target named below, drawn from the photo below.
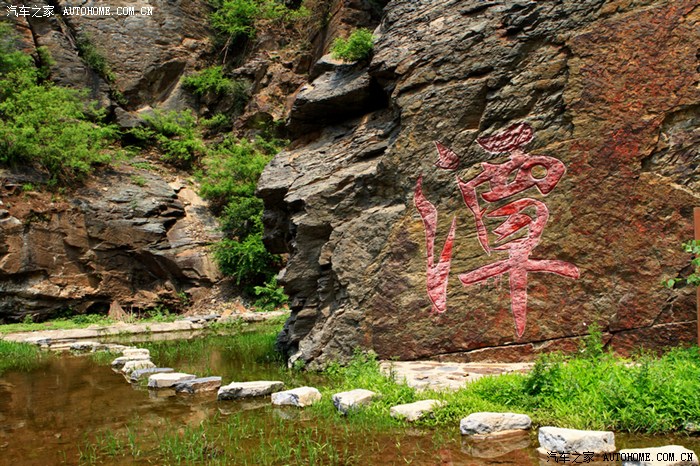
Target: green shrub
(248, 261)
(270, 296)
(216, 122)
(242, 216)
(94, 58)
(175, 134)
(231, 171)
(43, 125)
(693, 279)
(355, 48)
(209, 80)
(237, 19)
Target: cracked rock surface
(610, 89)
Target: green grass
(19, 356)
(592, 390)
(64, 323)
(357, 47)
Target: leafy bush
(270, 296)
(228, 180)
(231, 171)
(237, 19)
(209, 80)
(248, 261)
(175, 134)
(94, 58)
(46, 126)
(692, 247)
(355, 48)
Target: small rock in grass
(237, 390)
(414, 411)
(167, 380)
(669, 455)
(301, 397)
(203, 384)
(491, 423)
(345, 401)
(141, 373)
(572, 440)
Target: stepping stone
(669, 455)
(345, 401)
(131, 366)
(413, 411)
(492, 423)
(203, 384)
(141, 373)
(301, 397)
(121, 360)
(113, 348)
(237, 390)
(134, 352)
(83, 346)
(496, 445)
(169, 379)
(572, 440)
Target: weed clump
(357, 47)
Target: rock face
(492, 423)
(590, 106)
(113, 241)
(572, 440)
(147, 51)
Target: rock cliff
(562, 190)
(127, 237)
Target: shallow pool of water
(73, 410)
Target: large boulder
(602, 95)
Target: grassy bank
(592, 390)
(19, 356)
(83, 321)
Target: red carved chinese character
(501, 185)
(437, 274)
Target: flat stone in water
(236, 390)
(345, 401)
(167, 380)
(202, 384)
(83, 346)
(300, 397)
(121, 360)
(139, 364)
(135, 352)
(669, 455)
(141, 373)
(414, 411)
(490, 423)
(493, 446)
(572, 440)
